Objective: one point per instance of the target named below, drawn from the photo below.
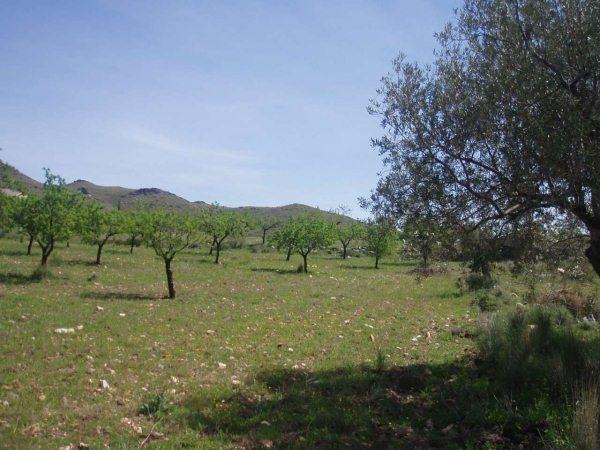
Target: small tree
(309, 233)
(347, 233)
(168, 234)
(133, 226)
(54, 214)
(7, 207)
(267, 224)
(381, 237)
(220, 225)
(98, 226)
(283, 238)
(24, 216)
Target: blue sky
(240, 102)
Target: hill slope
(120, 197)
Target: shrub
(484, 302)
(152, 405)
(533, 349)
(578, 304)
(476, 281)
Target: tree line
(58, 214)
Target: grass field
(250, 355)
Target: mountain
(13, 179)
(124, 198)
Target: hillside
(123, 198)
(12, 178)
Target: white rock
(222, 365)
(104, 384)
(64, 330)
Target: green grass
(250, 354)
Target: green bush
(533, 349)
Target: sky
(241, 102)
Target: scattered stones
(222, 366)
(64, 330)
(132, 425)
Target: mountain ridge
(123, 198)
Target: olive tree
(381, 238)
(507, 119)
(97, 226)
(168, 234)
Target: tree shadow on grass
(18, 278)
(355, 267)
(75, 262)
(120, 296)
(418, 406)
(17, 253)
(277, 271)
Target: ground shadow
(355, 267)
(418, 406)
(18, 253)
(75, 262)
(277, 271)
(119, 296)
(18, 278)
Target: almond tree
(381, 237)
(347, 233)
(267, 224)
(24, 218)
(98, 226)
(220, 225)
(308, 233)
(54, 214)
(168, 234)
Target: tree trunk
(593, 251)
(218, 248)
(132, 244)
(345, 252)
(264, 236)
(289, 254)
(46, 251)
(99, 253)
(45, 255)
(68, 244)
(377, 262)
(304, 257)
(212, 246)
(170, 283)
(30, 245)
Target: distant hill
(124, 198)
(13, 179)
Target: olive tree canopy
(506, 121)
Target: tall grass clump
(586, 416)
(533, 349)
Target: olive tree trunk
(593, 251)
